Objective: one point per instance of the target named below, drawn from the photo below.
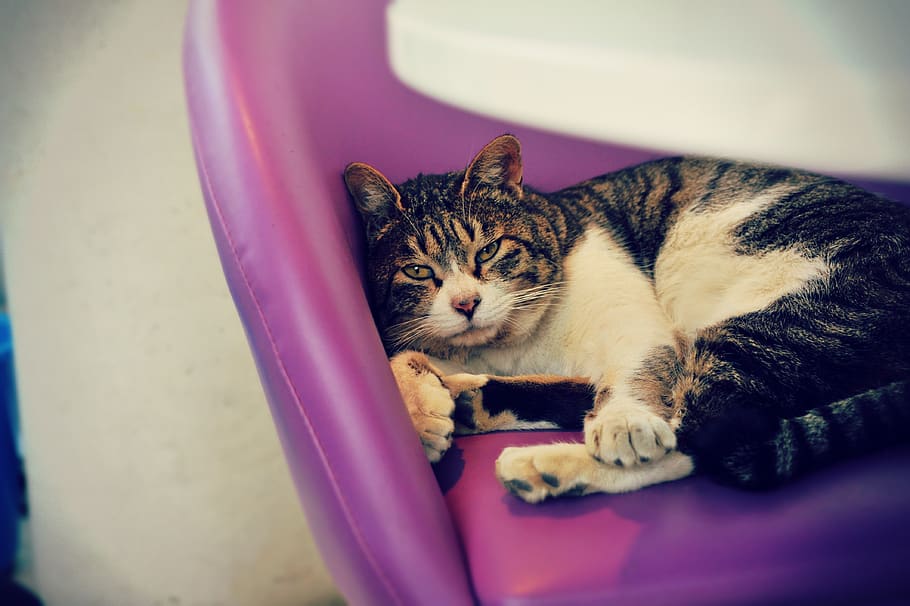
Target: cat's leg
(484, 402)
(429, 403)
(535, 473)
(630, 423)
(491, 403)
(772, 395)
(761, 398)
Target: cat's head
(457, 260)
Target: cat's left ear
(374, 195)
(498, 165)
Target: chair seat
(839, 536)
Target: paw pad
(576, 491)
(516, 486)
(550, 479)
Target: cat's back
(721, 238)
(639, 206)
(668, 185)
(757, 209)
(761, 207)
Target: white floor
(155, 473)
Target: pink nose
(466, 305)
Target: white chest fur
(607, 318)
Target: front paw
(627, 435)
(429, 403)
(434, 427)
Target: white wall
(156, 476)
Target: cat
(747, 321)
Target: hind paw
(535, 473)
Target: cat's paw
(535, 473)
(628, 434)
(428, 401)
(467, 389)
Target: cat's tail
(752, 450)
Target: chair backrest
(287, 242)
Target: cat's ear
(498, 165)
(372, 192)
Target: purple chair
(282, 95)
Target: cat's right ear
(498, 165)
(372, 192)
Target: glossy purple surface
(282, 95)
(838, 537)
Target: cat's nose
(466, 304)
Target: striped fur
(752, 451)
(732, 311)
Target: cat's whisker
(535, 295)
(405, 342)
(539, 305)
(527, 299)
(415, 329)
(542, 286)
(546, 296)
(551, 286)
(411, 331)
(407, 323)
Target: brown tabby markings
(483, 408)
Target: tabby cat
(748, 321)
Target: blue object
(10, 467)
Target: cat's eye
(418, 272)
(488, 252)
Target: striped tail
(751, 450)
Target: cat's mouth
(473, 336)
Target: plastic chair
(282, 95)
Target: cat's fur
(747, 320)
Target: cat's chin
(474, 337)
